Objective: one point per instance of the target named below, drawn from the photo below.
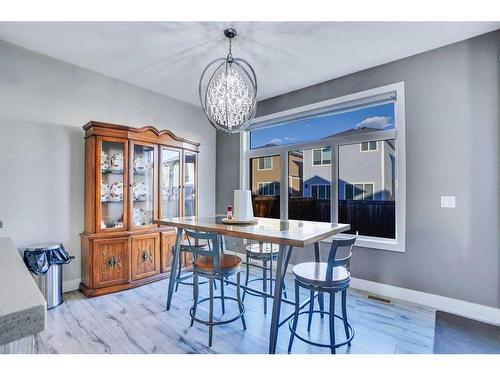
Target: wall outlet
(448, 201)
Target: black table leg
(175, 260)
(281, 265)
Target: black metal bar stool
(266, 253)
(212, 264)
(183, 276)
(318, 278)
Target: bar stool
(210, 263)
(182, 276)
(266, 253)
(331, 277)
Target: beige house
(266, 175)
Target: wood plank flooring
(135, 321)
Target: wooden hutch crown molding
(146, 133)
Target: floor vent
(380, 299)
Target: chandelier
(228, 97)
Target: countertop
(23, 309)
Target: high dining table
(287, 234)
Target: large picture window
(341, 160)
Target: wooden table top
(291, 232)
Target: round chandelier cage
(228, 91)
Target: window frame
(368, 150)
(264, 158)
(318, 189)
(266, 184)
(353, 184)
(321, 164)
(390, 93)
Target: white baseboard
(467, 309)
(70, 285)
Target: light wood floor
(135, 321)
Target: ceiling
(168, 57)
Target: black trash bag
(39, 261)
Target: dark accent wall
(452, 99)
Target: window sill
(375, 243)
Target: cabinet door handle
(112, 262)
(146, 255)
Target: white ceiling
(168, 57)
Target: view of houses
(366, 182)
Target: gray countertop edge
(23, 309)
(23, 323)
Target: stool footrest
(220, 322)
(283, 290)
(346, 342)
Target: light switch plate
(447, 201)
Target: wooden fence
(370, 218)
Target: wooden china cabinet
(133, 176)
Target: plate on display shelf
(116, 191)
(105, 161)
(140, 190)
(117, 162)
(104, 191)
(139, 216)
(241, 222)
(141, 164)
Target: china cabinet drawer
(145, 256)
(111, 261)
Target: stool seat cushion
(313, 273)
(267, 248)
(206, 263)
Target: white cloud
(376, 122)
(276, 140)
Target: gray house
(366, 171)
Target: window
(345, 180)
(321, 191)
(312, 202)
(322, 156)
(368, 146)
(363, 120)
(358, 191)
(266, 188)
(265, 164)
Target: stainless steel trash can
(45, 262)
(50, 285)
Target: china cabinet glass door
(170, 173)
(111, 185)
(142, 184)
(190, 183)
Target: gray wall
(43, 105)
(452, 148)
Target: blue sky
(379, 117)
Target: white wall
(43, 105)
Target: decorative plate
(139, 216)
(141, 164)
(117, 162)
(105, 161)
(140, 191)
(116, 191)
(104, 191)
